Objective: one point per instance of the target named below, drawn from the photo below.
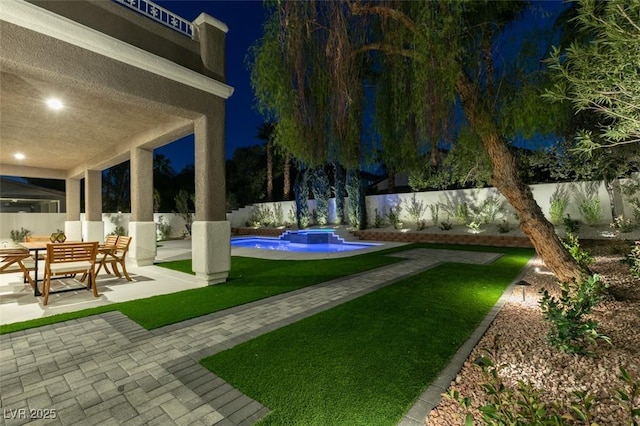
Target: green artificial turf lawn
(249, 279)
(365, 362)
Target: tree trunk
(286, 191)
(505, 178)
(391, 177)
(270, 170)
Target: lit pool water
(276, 244)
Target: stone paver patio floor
(106, 369)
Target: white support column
(211, 251)
(93, 227)
(73, 225)
(211, 232)
(142, 228)
(142, 250)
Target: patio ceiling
(89, 132)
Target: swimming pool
(263, 243)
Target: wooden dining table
(35, 247)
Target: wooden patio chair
(17, 261)
(110, 242)
(115, 257)
(70, 258)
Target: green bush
(590, 210)
(633, 260)
(622, 224)
(504, 227)
(415, 210)
(163, 229)
(573, 226)
(394, 216)
(435, 211)
(583, 257)
(570, 331)
(558, 204)
(445, 226)
(377, 219)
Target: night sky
(244, 19)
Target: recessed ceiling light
(18, 156)
(55, 104)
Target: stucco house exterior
(88, 84)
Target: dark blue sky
(244, 19)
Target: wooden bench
(67, 259)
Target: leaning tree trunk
(505, 178)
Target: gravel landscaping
(517, 339)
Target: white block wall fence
(46, 223)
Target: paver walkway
(106, 369)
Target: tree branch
(386, 12)
(386, 48)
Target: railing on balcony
(159, 14)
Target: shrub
(435, 210)
(631, 193)
(416, 209)
(291, 216)
(504, 227)
(261, 215)
(377, 219)
(474, 227)
(119, 231)
(182, 206)
(489, 209)
(570, 331)
(583, 257)
(558, 203)
(622, 224)
(163, 229)
(445, 226)
(572, 225)
(462, 213)
(628, 395)
(278, 215)
(394, 216)
(590, 210)
(18, 236)
(633, 260)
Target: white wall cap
(203, 17)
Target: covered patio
(87, 85)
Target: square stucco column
(93, 227)
(72, 224)
(211, 251)
(142, 228)
(142, 250)
(211, 233)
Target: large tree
(422, 59)
(600, 71)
